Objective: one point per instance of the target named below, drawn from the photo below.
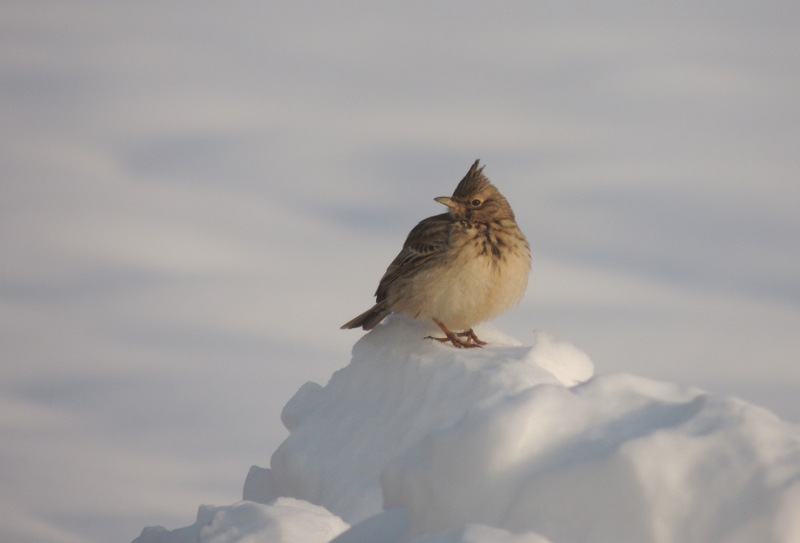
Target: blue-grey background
(196, 195)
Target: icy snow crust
(418, 441)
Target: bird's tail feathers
(369, 319)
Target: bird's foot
(471, 340)
(456, 341)
(471, 337)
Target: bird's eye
(476, 202)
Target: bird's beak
(446, 200)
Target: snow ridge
(418, 441)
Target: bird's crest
(473, 182)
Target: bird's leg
(453, 338)
(471, 337)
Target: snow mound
(418, 441)
(618, 458)
(399, 388)
(286, 519)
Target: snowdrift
(419, 441)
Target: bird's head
(476, 199)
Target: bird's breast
(485, 273)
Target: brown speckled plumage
(457, 269)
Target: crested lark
(459, 268)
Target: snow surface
(418, 441)
(286, 519)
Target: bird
(457, 269)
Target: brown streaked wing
(425, 241)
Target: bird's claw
(456, 341)
(470, 342)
